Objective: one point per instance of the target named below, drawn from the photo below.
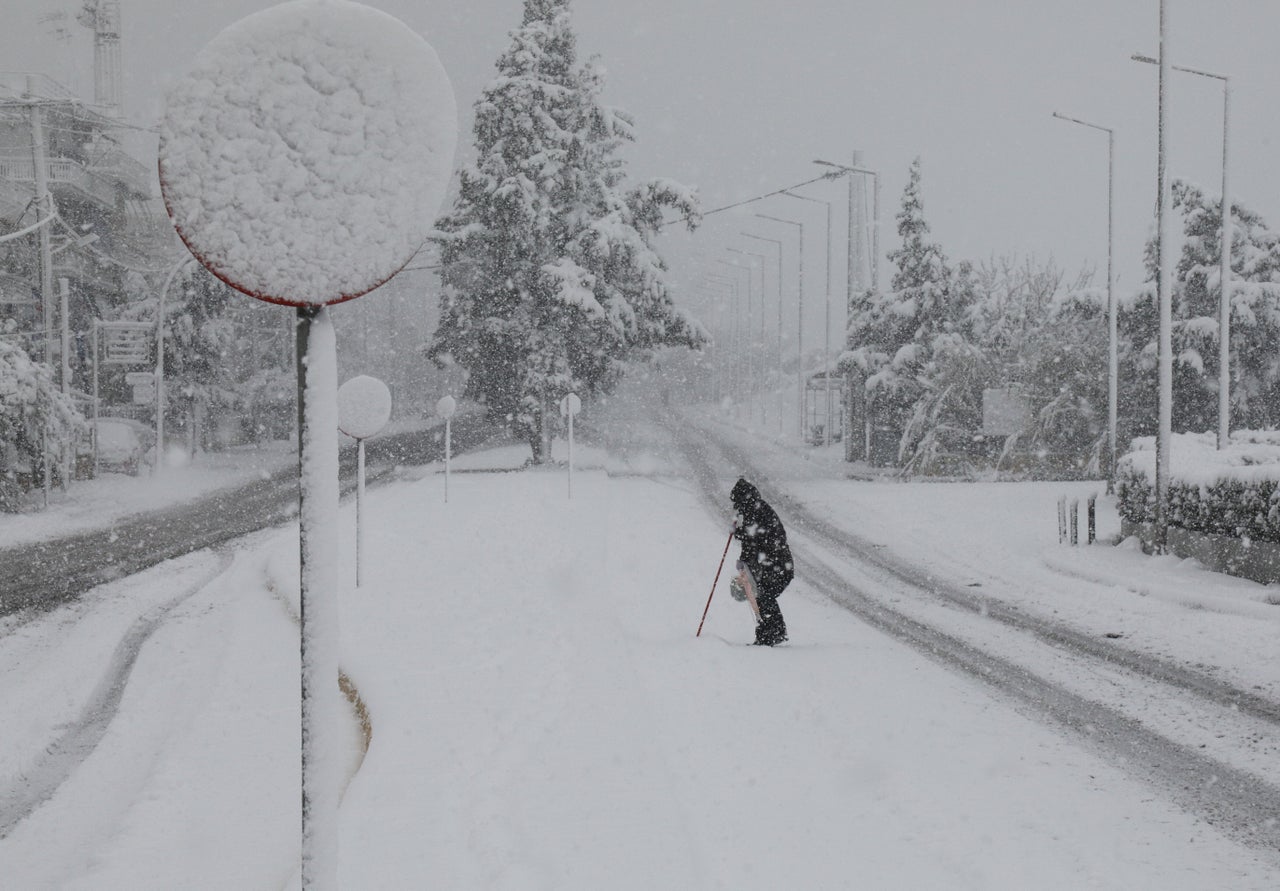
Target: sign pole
(359, 510)
(317, 515)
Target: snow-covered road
(544, 718)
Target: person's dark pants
(771, 629)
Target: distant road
(45, 574)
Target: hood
(744, 496)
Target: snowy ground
(543, 717)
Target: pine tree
(923, 376)
(1255, 321)
(550, 276)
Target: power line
(708, 213)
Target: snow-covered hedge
(1232, 491)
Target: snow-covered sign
(303, 160)
(1005, 411)
(446, 407)
(570, 405)
(364, 406)
(144, 392)
(126, 343)
(304, 157)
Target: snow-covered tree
(1255, 322)
(551, 280)
(911, 343)
(33, 412)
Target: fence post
(1062, 519)
(1075, 521)
(1093, 517)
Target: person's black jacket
(764, 542)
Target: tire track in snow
(42, 780)
(1233, 800)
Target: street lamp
(730, 343)
(1113, 373)
(761, 257)
(855, 227)
(1224, 257)
(743, 338)
(778, 243)
(1164, 295)
(875, 212)
(826, 340)
(799, 322)
(717, 291)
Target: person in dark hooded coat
(766, 555)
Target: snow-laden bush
(1232, 491)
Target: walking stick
(713, 584)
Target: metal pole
(1224, 279)
(752, 351)
(448, 449)
(849, 453)
(1224, 252)
(799, 320)
(1113, 373)
(778, 242)
(826, 342)
(44, 208)
(68, 456)
(93, 438)
(64, 299)
(318, 545)
(875, 233)
(743, 337)
(1113, 341)
(800, 335)
(359, 511)
(160, 392)
(1164, 296)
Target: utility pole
(1164, 432)
(44, 208)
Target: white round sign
(570, 405)
(364, 406)
(446, 407)
(305, 155)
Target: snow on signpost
(303, 159)
(446, 408)
(364, 407)
(570, 406)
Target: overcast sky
(737, 97)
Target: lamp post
(727, 294)
(1113, 374)
(164, 291)
(875, 228)
(778, 243)
(1164, 295)
(799, 322)
(742, 339)
(1224, 255)
(716, 298)
(826, 338)
(761, 257)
